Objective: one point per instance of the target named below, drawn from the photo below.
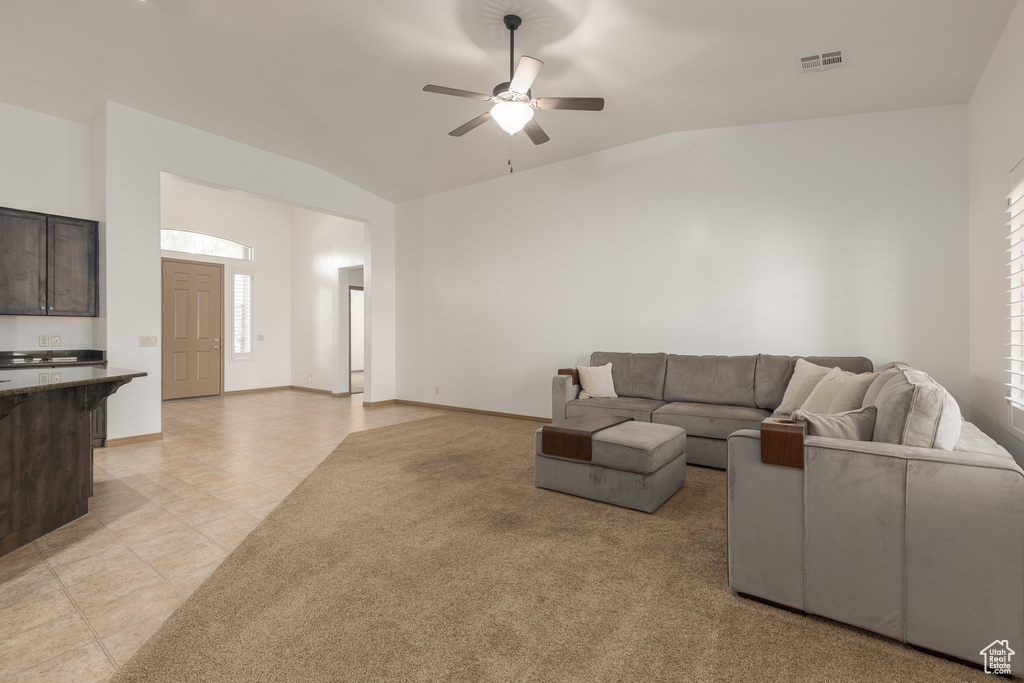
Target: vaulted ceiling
(338, 83)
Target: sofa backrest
(914, 410)
(637, 375)
(720, 380)
(774, 372)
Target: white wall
(136, 148)
(266, 227)
(996, 125)
(45, 166)
(321, 245)
(831, 236)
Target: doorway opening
(355, 345)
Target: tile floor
(77, 603)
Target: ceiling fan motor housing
(503, 92)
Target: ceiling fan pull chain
(510, 154)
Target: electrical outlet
(311, 378)
(259, 337)
(55, 340)
(44, 340)
(437, 390)
(44, 378)
(54, 378)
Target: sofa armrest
(919, 544)
(562, 391)
(765, 524)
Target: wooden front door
(192, 315)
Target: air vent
(821, 62)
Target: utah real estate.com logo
(997, 657)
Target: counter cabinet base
(46, 459)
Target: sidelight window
(241, 307)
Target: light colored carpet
(423, 552)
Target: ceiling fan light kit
(512, 115)
(513, 103)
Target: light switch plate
(55, 340)
(44, 378)
(147, 341)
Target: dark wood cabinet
(22, 262)
(72, 266)
(49, 265)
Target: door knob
(216, 340)
(217, 347)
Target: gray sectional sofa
(917, 534)
(709, 396)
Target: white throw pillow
(838, 392)
(597, 381)
(805, 377)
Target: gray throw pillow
(855, 425)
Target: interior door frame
(350, 289)
(223, 312)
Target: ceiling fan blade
(526, 72)
(470, 125)
(535, 132)
(441, 90)
(579, 103)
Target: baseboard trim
(378, 404)
(261, 390)
(310, 390)
(457, 409)
(141, 438)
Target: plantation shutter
(242, 315)
(1015, 358)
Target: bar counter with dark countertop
(24, 380)
(46, 446)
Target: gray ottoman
(637, 465)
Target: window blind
(242, 307)
(1015, 357)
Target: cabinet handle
(51, 308)
(42, 308)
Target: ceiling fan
(513, 101)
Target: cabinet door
(72, 266)
(22, 263)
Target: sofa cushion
(915, 410)
(855, 425)
(886, 373)
(772, 375)
(708, 420)
(838, 392)
(639, 375)
(721, 380)
(805, 378)
(639, 409)
(596, 382)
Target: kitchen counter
(24, 381)
(46, 446)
